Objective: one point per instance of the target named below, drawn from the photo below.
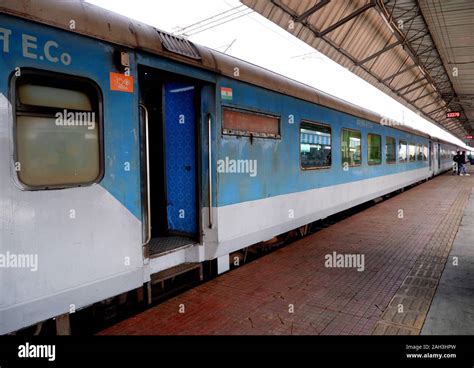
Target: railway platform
(403, 266)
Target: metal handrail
(148, 207)
(210, 167)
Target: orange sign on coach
(121, 82)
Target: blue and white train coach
(126, 151)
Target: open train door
(170, 110)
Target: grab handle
(147, 153)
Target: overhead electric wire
(213, 16)
(209, 23)
(219, 24)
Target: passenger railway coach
(126, 151)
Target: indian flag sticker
(226, 93)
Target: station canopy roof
(420, 52)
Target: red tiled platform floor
(258, 298)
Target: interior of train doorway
(169, 107)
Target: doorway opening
(172, 105)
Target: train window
(419, 152)
(425, 153)
(33, 95)
(411, 152)
(374, 148)
(390, 150)
(238, 122)
(57, 130)
(402, 151)
(315, 146)
(350, 147)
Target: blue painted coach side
(278, 160)
(91, 59)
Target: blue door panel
(180, 142)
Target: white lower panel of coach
(80, 260)
(243, 224)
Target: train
(126, 151)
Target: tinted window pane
(315, 146)
(390, 150)
(57, 131)
(374, 144)
(419, 152)
(402, 151)
(50, 154)
(350, 147)
(411, 152)
(35, 95)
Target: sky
(231, 27)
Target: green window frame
(351, 147)
(390, 150)
(374, 149)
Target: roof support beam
(423, 35)
(439, 114)
(427, 49)
(431, 103)
(346, 19)
(425, 95)
(416, 14)
(399, 72)
(413, 8)
(378, 53)
(436, 110)
(451, 125)
(312, 10)
(409, 84)
(416, 88)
